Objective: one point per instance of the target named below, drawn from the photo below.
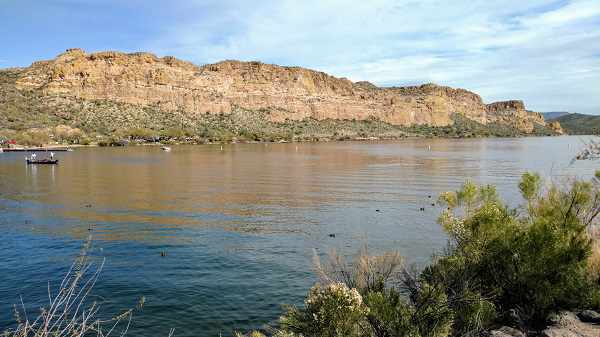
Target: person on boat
(33, 155)
(51, 155)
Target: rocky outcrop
(287, 93)
(567, 324)
(506, 332)
(556, 127)
(513, 113)
(564, 324)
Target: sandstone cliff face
(556, 127)
(513, 113)
(286, 92)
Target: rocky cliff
(513, 113)
(182, 89)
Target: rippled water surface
(238, 225)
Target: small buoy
(377, 210)
(432, 204)
(429, 196)
(332, 235)
(221, 147)
(422, 209)
(88, 206)
(163, 254)
(429, 147)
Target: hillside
(141, 96)
(579, 124)
(554, 114)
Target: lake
(238, 224)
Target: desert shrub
(528, 264)
(69, 135)
(142, 134)
(32, 137)
(395, 303)
(425, 314)
(176, 133)
(366, 273)
(333, 310)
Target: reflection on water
(239, 224)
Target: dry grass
(70, 313)
(594, 259)
(365, 273)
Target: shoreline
(128, 143)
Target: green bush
(528, 264)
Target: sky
(546, 53)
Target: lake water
(238, 225)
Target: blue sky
(544, 52)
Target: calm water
(239, 226)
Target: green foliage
(533, 264)
(530, 185)
(390, 314)
(580, 124)
(143, 134)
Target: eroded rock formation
(286, 92)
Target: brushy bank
(252, 126)
(502, 266)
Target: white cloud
(545, 52)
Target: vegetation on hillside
(31, 118)
(580, 124)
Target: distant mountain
(579, 124)
(554, 114)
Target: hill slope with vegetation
(579, 124)
(110, 97)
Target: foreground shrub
(526, 265)
(333, 310)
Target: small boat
(166, 148)
(42, 161)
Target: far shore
(125, 143)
